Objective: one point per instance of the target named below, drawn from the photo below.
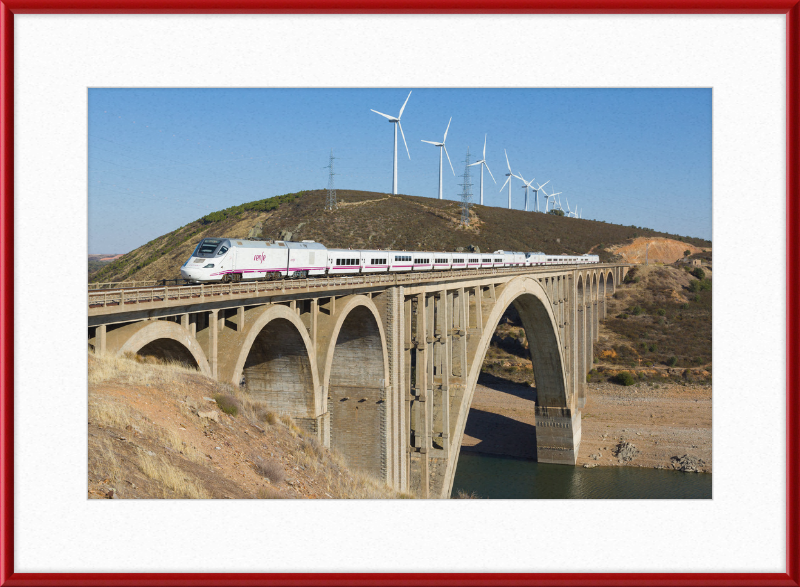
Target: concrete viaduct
(380, 367)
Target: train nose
(188, 274)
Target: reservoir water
(497, 477)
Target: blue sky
(161, 158)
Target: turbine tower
(526, 187)
(509, 175)
(536, 193)
(396, 122)
(483, 164)
(442, 147)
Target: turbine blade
(448, 159)
(504, 185)
(430, 142)
(403, 134)
(484, 147)
(382, 114)
(445, 130)
(403, 108)
(490, 172)
(470, 165)
(507, 163)
(544, 184)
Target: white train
(230, 259)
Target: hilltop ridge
(378, 221)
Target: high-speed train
(230, 259)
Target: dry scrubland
(656, 328)
(165, 431)
(378, 220)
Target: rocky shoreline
(662, 426)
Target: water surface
(497, 477)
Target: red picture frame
(790, 8)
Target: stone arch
(541, 329)
(595, 310)
(355, 375)
(277, 360)
(610, 284)
(163, 339)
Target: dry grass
(466, 495)
(128, 370)
(271, 470)
(161, 471)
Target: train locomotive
(234, 260)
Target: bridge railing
(126, 293)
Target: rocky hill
(379, 220)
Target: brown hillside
(376, 220)
(165, 431)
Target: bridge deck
(103, 302)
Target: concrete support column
(422, 431)
(580, 349)
(314, 318)
(213, 342)
(479, 309)
(596, 325)
(101, 339)
(558, 435)
(447, 368)
(397, 441)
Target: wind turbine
(396, 122)
(536, 193)
(553, 195)
(509, 175)
(526, 187)
(571, 213)
(442, 147)
(483, 164)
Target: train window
(223, 250)
(207, 247)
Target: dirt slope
(654, 250)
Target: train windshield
(207, 247)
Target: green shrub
(556, 212)
(624, 316)
(696, 285)
(596, 360)
(624, 378)
(698, 273)
(687, 253)
(653, 348)
(661, 312)
(672, 361)
(684, 306)
(636, 311)
(228, 403)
